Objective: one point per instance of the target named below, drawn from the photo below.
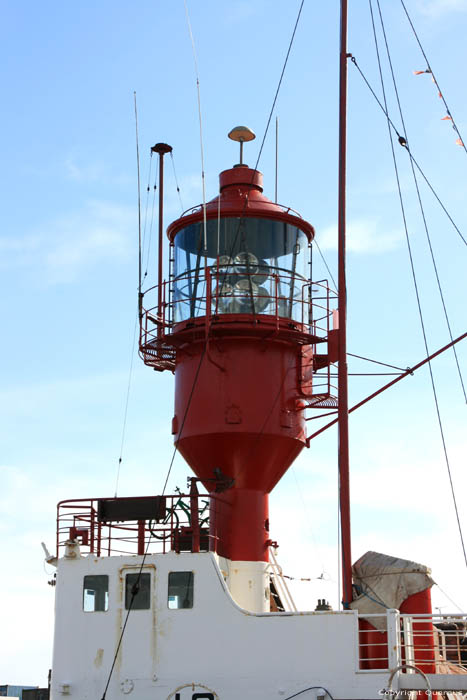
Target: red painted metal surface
(242, 419)
(243, 415)
(161, 149)
(343, 405)
(373, 642)
(403, 375)
(238, 524)
(373, 646)
(241, 194)
(185, 520)
(423, 637)
(237, 389)
(240, 378)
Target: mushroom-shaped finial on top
(241, 134)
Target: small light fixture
(241, 134)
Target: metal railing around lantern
(283, 299)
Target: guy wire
(238, 230)
(417, 295)
(430, 70)
(138, 315)
(139, 197)
(422, 210)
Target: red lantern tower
(235, 323)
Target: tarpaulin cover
(385, 582)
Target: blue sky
(69, 267)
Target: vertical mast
(343, 408)
(161, 149)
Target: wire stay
(430, 70)
(417, 293)
(422, 209)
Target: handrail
(78, 520)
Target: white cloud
(94, 171)
(99, 231)
(363, 236)
(436, 8)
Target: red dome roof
(241, 194)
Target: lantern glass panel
(256, 266)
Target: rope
(420, 312)
(310, 529)
(422, 210)
(325, 264)
(376, 362)
(148, 189)
(139, 194)
(232, 248)
(406, 146)
(176, 181)
(125, 413)
(409, 371)
(430, 70)
(280, 82)
(120, 458)
(185, 415)
(134, 592)
(450, 599)
(312, 687)
(153, 208)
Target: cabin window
(96, 593)
(142, 599)
(180, 590)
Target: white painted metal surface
(248, 583)
(214, 649)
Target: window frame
(190, 590)
(87, 588)
(127, 592)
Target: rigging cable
(148, 190)
(134, 592)
(139, 195)
(450, 599)
(376, 362)
(430, 70)
(151, 226)
(422, 323)
(406, 146)
(305, 690)
(325, 263)
(125, 413)
(195, 380)
(261, 149)
(135, 587)
(422, 210)
(176, 181)
(310, 529)
(280, 82)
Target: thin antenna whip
(200, 124)
(277, 150)
(139, 206)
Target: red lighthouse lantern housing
(237, 326)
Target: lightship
(180, 595)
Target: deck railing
(434, 644)
(175, 529)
